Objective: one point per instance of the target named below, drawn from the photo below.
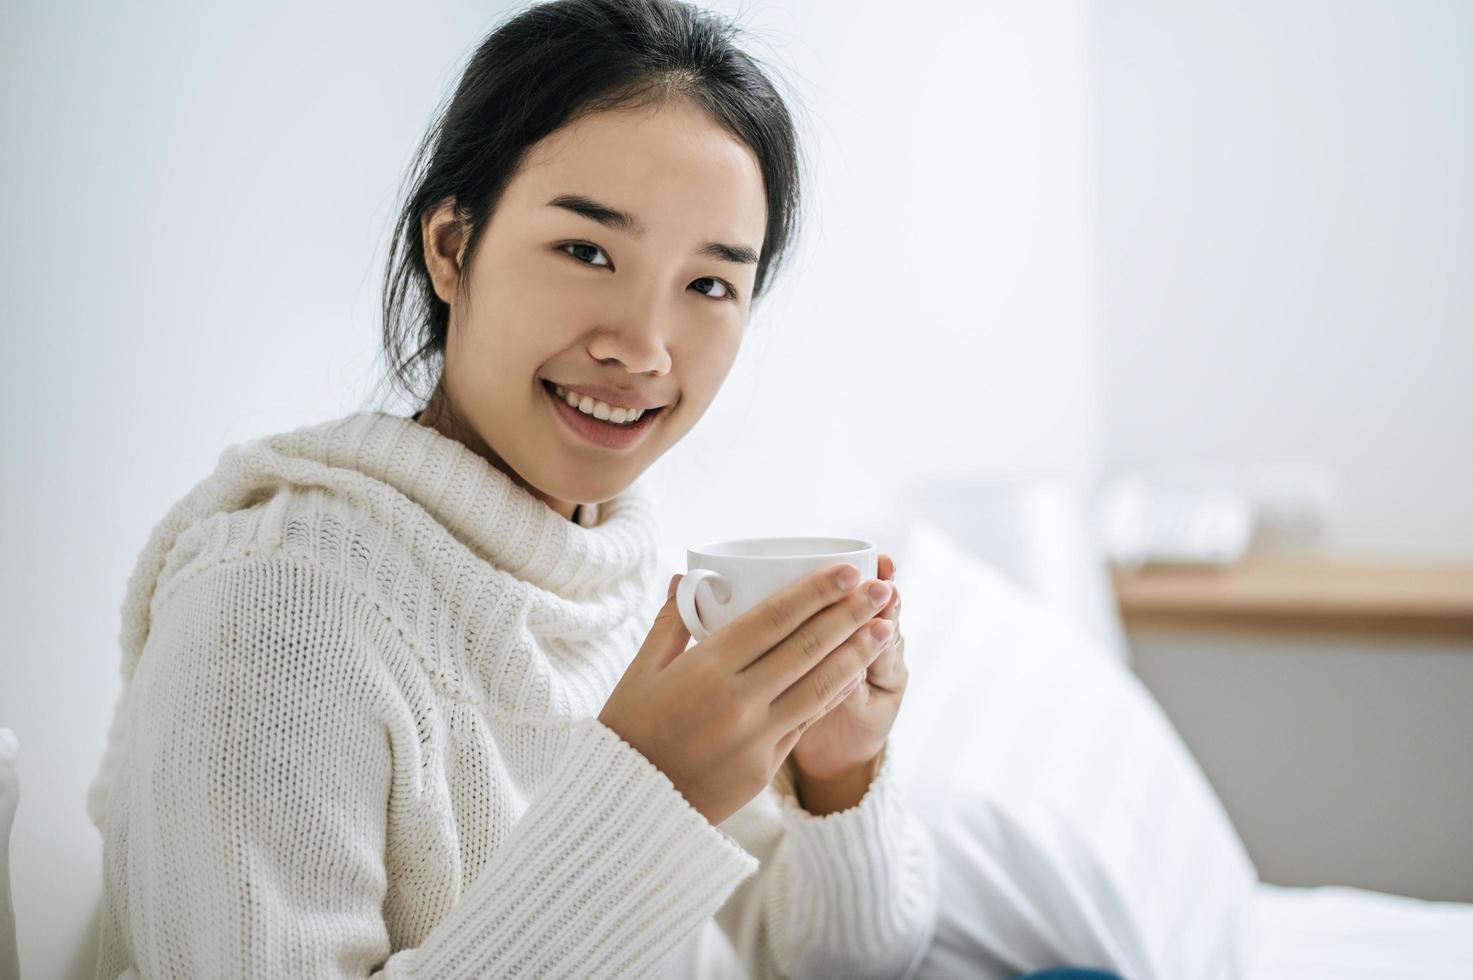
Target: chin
(596, 492)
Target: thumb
(668, 636)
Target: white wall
(198, 201)
(941, 315)
(1287, 224)
(1286, 230)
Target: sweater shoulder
(342, 537)
(289, 529)
(290, 523)
(400, 562)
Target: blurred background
(1172, 297)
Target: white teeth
(599, 410)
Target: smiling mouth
(645, 420)
(552, 389)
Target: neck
(440, 416)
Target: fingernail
(881, 630)
(878, 593)
(848, 578)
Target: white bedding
(1354, 934)
(1071, 822)
(1073, 826)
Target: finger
(843, 695)
(756, 633)
(889, 670)
(669, 636)
(892, 608)
(792, 737)
(887, 572)
(814, 640)
(895, 683)
(785, 744)
(807, 696)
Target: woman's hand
(720, 718)
(836, 756)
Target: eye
(585, 245)
(728, 293)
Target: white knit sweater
(357, 736)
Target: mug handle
(685, 597)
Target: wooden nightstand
(1330, 703)
(1321, 594)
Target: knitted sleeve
(258, 793)
(851, 894)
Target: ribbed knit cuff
(606, 872)
(859, 891)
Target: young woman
(393, 703)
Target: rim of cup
(823, 546)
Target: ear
(444, 241)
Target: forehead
(671, 165)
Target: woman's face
(647, 310)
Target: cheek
(547, 317)
(536, 288)
(522, 308)
(471, 349)
(712, 361)
(538, 292)
(505, 341)
(702, 367)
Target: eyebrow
(626, 222)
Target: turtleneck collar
(487, 510)
(404, 474)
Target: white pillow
(1071, 823)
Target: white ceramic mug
(727, 578)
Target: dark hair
(545, 67)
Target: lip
(611, 396)
(590, 429)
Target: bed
(1072, 824)
(1354, 934)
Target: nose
(637, 340)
